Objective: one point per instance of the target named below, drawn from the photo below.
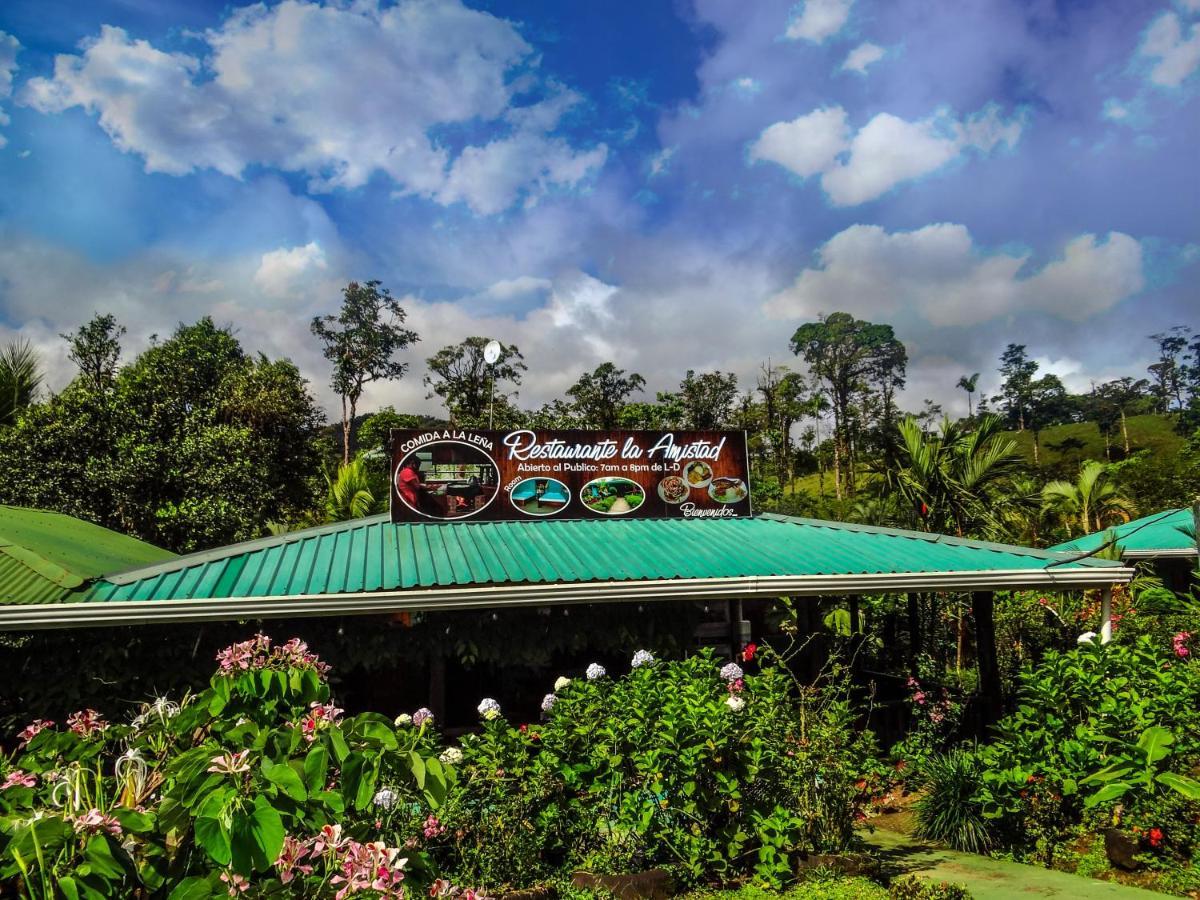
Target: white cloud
(861, 57)
(885, 152)
(660, 163)
(9, 46)
(747, 86)
(819, 19)
(1173, 47)
(279, 270)
(807, 145)
(337, 92)
(941, 275)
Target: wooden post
(735, 629)
(990, 694)
(914, 628)
(1106, 614)
(855, 632)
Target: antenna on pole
(491, 354)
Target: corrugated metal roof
(1164, 533)
(375, 555)
(47, 557)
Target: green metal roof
(374, 566)
(47, 557)
(1167, 533)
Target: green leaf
(285, 778)
(1106, 793)
(338, 742)
(316, 767)
(1181, 784)
(1154, 742)
(257, 838)
(416, 765)
(193, 888)
(133, 821)
(378, 732)
(214, 838)
(68, 887)
(100, 860)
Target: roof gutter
(508, 596)
(1172, 552)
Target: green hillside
(1065, 447)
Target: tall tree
(600, 394)
(361, 341)
(1168, 371)
(969, 383)
(1118, 397)
(20, 378)
(1017, 371)
(1091, 502)
(95, 348)
(1046, 404)
(707, 399)
(843, 352)
(463, 379)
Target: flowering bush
(703, 769)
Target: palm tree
(20, 378)
(1092, 501)
(351, 495)
(958, 479)
(968, 383)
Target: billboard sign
(454, 474)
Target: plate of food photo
(728, 490)
(697, 474)
(673, 489)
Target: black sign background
(525, 475)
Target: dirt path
(991, 879)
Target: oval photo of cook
(447, 480)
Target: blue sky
(667, 185)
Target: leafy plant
(1137, 768)
(949, 811)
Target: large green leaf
(316, 767)
(1181, 784)
(1108, 792)
(285, 778)
(99, 859)
(194, 888)
(1154, 743)
(213, 836)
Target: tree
(843, 352)
(351, 494)
(95, 348)
(1092, 501)
(20, 378)
(1169, 372)
(968, 383)
(1046, 404)
(463, 379)
(707, 399)
(1116, 397)
(599, 395)
(195, 444)
(361, 341)
(1017, 371)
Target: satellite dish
(491, 353)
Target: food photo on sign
(451, 474)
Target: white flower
(731, 671)
(561, 682)
(1086, 638)
(642, 658)
(489, 708)
(452, 756)
(403, 719)
(594, 671)
(735, 703)
(385, 799)
(548, 702)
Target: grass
(816, 889)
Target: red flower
(523, 729)
(748, 652)
(1156, 837)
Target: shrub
(910, 887)
(949, 811)
(259, 781)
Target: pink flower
(433, 827)
(919, 698)
(33, 729)
(93, 821)
(329, 838)
(86, 722)
(236, 883)
(1179, 643)
(737, 686)
(17, 778)
(230, 763)
(290, 857)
